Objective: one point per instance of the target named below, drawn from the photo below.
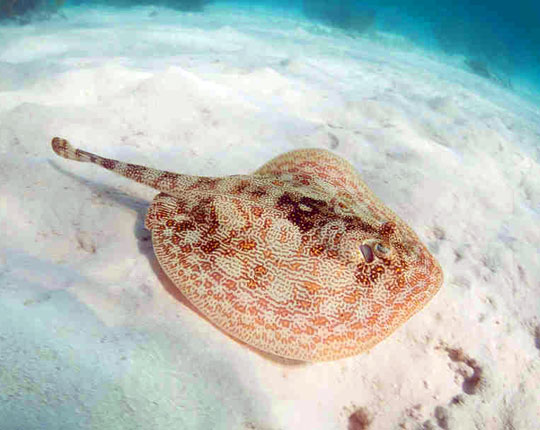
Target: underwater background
(435, 104)
(499, 40)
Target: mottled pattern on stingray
(299, 259)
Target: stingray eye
(382, 250)
(367, 253)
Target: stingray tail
(168, 182)
(64, 149)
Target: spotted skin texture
(299, 259)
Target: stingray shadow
(144, 244)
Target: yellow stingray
(299, 259)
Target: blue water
(499, 40)
(502, 36)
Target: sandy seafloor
(92, 335)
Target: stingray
(299, 259)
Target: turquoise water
(498, 39)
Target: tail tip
(61, 146)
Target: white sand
(91, 336)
